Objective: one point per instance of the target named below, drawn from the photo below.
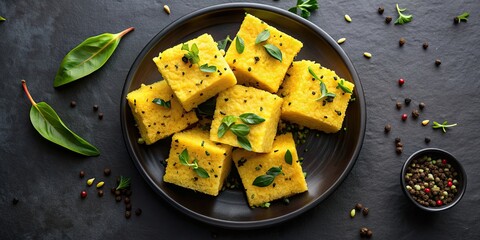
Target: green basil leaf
(244, 143)
(273, 51)
(263, 180)
(251, 118)
(341, 85)
(2, 18)
(208, 69)
(274, 171)
(46, 121)
(222, 129)
(229, 120)
(201, 172)
(310, 70)
(263, 36)
(163, 103)
(88, 57)
(239, 44)
(288, 157)
(240, 130)
(185, 47)
(195, 49)
(222, 44)
(183, 157)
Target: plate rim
(230, 224)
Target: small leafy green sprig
(402, 18)
(443, 125)
(267, 179)
(163, 103)
(323, 88)
(222, 44)
(192, 57)
(305, 6)
(341, 85)
(241, 130)
(2, 19)
(462, 17)
(288, 157)
(271, 49)
(184, 160)
(123, 183)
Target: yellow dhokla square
(238, 100)
(214, 158)
(252, 165)
(301, 92)
(255, 66)
(155, 121)
(191, 85)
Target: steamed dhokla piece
(301, 92)
(153, 120)
(255, 66)
(238, 100)
(251, 165)
(213, 158)
(190, 84)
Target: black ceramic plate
(330, 156)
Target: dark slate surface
(37, 35)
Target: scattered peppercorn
(128, 214)
(118, 198)
(408, 101)
(427, 140)
(73, 104)
(100, 193)
(421, 106)
(15, 201)
(404, 116)
(388, 19)
(398, 105)
(128, 193)
(415, 113)
(100, 116)
(127, 200)
(138, 212)
(365, 211)
(399, 150)
(95, 107)
(397, 140)
(402, 41)
(117, 192)
(425, 45)
(82, 174)
(358, 206)
(363, 232)
(456, 20)
(107, 171)
(380, 10)
(401, 81)
(438, 62)
(83, 194)
(388, 127)
(399, 144)
(369, 233)
(128, 206)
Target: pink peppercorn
(401, 81)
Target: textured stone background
(37, 35)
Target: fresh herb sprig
(262, 37)
(163, 103)
(240, 130)
(305, 6)
(462, 17)
(239, 44)
(208, 69)
(123, 183)
(2, 19)
(222, 44)
(271, 49)
(402, 18)
(192, 53)
(323, 88)
(288, 157)
(184, 160)
(443, 125)
(267, 179)
(341, 85)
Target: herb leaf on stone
(251, 118)
(161, 102)
(443, 125)
(402, 18)
(222, 44)
(273, 51)
(462, 17)
(46, 121)
(123, 183)
(87, 57)
(305, 6)
(263, 36)
(2, 19)
(239, 44)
